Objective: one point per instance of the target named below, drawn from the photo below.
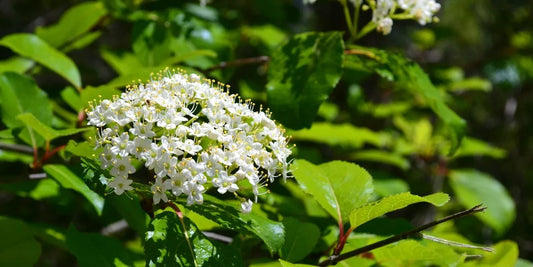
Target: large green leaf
(33, 47)
(345, 135)
(229, 216)
(409, 76)
(473, 187)
(505, 254)
(376, 209)
(20, 94)
(411, 252)
(381, 156)
(18, 247)
(70, 180)
(289, 264)
(300, 239)
(46, 132)
(36, 189)
(92, 249)
(74, 22)
(339, 187)
(97, 93)
(171, 242)
(302, 74)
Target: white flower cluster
(384, 11)
(421, 10)
(192, 135)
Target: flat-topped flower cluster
(193, 135)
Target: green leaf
(523, 263)
(345, 135)
(411, 77)
(16, 64)
(475, 147)
(82, 149)
(302, 74)
(474, 83)
(505, 254)
(339, 187)
(72, 98)
(36, 189)
(288, 264)
(92, 249)
(96, 93)
(376, 209)
(46, 132)
(171, 242)
(472, 187)
(33, 47)
(68, 179)
(389, 186)
(131, 210)
(229, 216)
(20, 94)
(17, 245)
(268, 35)
(74, 22)
(300, 239)
(381, 156)
(410, 252)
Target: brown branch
(332, 260)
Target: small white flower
(225, 183)
(122, 167)
(246, 206)
(121, 145)
(120, 184)
(159, 189)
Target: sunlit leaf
(20, 94)
(339, 187)
(376, 209)
(16, 64)
(475, 147)
(31, 46)
(18, 247)
(505, 254)
(381, 156)
(46, 132)
(345, 135)
(302, 74)
(68, 179)
(473, 188)
(409, 252)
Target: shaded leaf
(31, 46)
(302, 74)
(505, 254)
(472, 187)
(68, 179)
(92, 249)
(171, 242)
(17, 245)
(376, 209)
(288, 264)
(131, 210)
(410, 76)
(36, 189)
(339, 187)
(300, 239)
(229, 216)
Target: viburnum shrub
(192, 135)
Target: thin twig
(454, 244)
(17, 148)
(239, 62)
(332, 260)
